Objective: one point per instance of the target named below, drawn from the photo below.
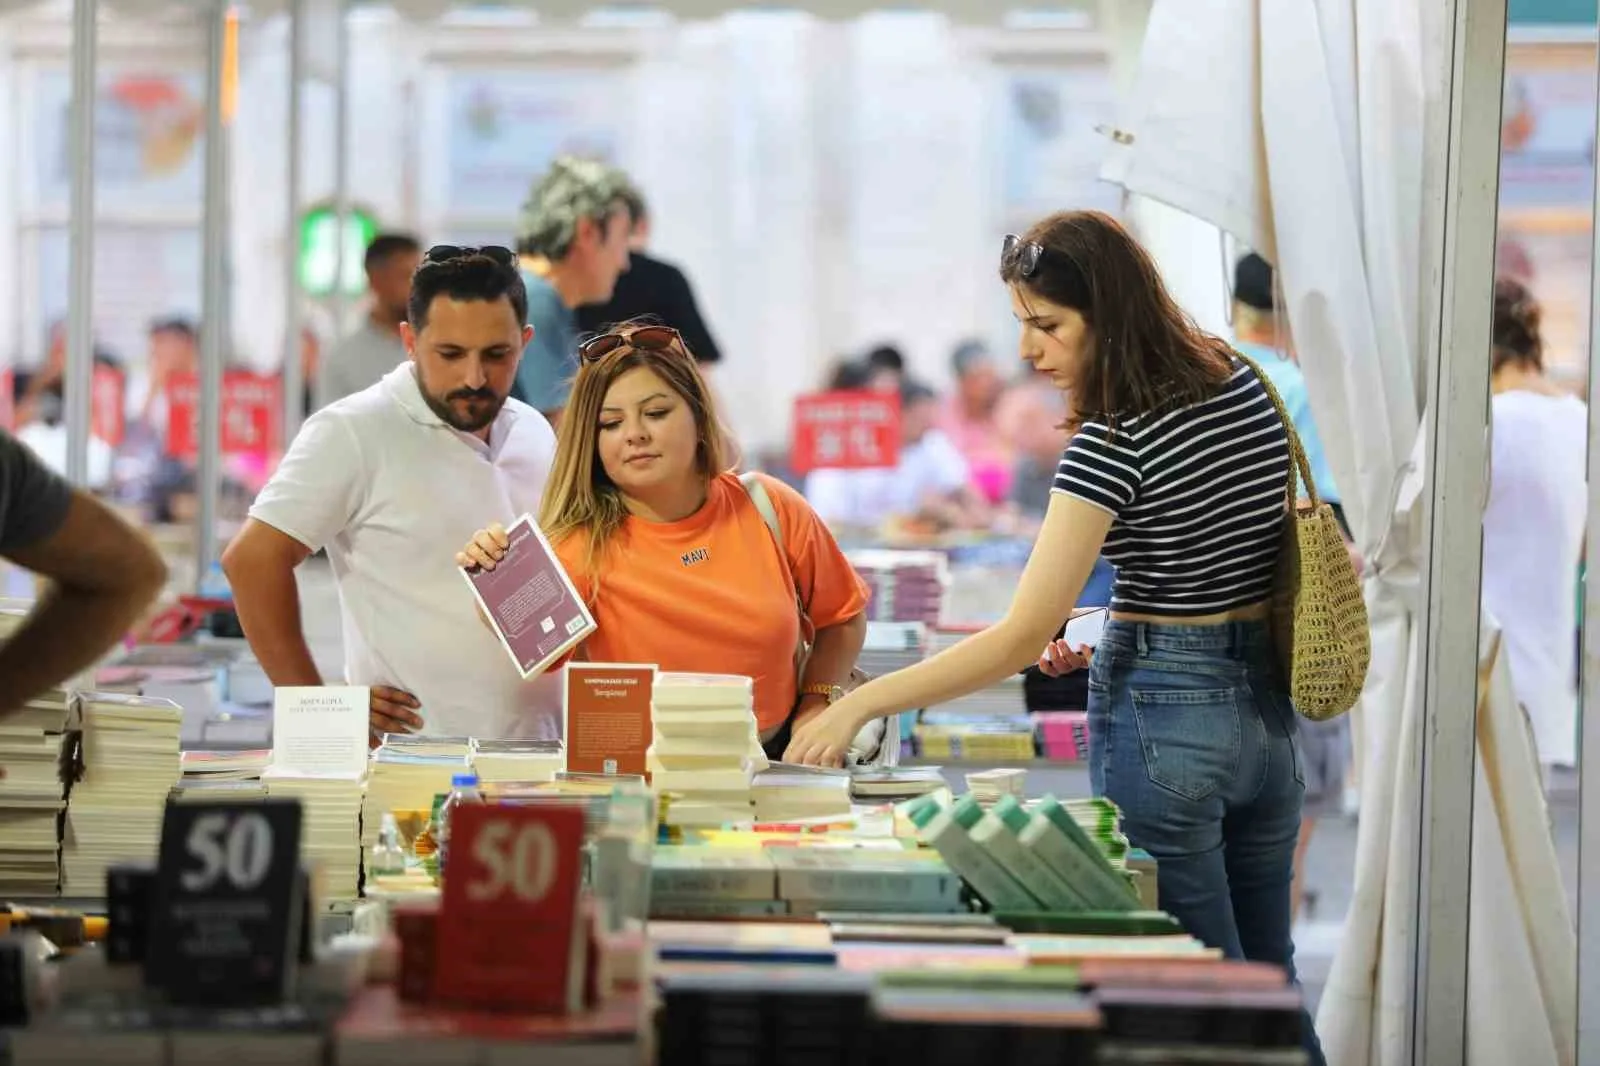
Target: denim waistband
(1232, 639)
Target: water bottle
(388, 859)
(463, 789)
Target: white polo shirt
(392, 493)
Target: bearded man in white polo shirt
(392, 481)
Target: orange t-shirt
(709, 594)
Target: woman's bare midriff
(1255, 612)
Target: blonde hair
(579, 497)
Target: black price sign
(228, 904)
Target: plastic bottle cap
(463, 780)
(967, 812)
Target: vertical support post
(1589, 714)
(341, 166)
(293, 375)
(213, 292)
(1456, 469)
(78, 385)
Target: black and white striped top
(1197, 498)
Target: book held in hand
(530, 601)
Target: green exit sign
(319, 251)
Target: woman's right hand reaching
(486, 548)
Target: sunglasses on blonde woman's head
(444, 253)
(643, 338)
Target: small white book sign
(319, 731)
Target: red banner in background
(845, 431)
(7, 397)
(252, 408)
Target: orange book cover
(607, 710)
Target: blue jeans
(1192, 735)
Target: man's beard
(449, 417)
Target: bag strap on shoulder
(1297, 453)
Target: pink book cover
(530, 601)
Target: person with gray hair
(573, 245)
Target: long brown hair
(579, 497)
(1149, 355)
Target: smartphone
(1084, 630)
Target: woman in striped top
(1176, 468)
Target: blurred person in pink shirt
(968, 419)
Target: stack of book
(130, 765)
(502, 761)
(987, 786)
(222, 776)
(786, 793)
(894, 784)
(32, 743)
(892, 646)
(688, 881)
(330, 827)
(702, 749)
(405, 773)
(904, 586)
(975, 738)
(813, 880)
(1101, 821)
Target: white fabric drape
(1296, 125)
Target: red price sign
(510, 935)
(251, 406)
(845, 431)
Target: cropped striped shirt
(1196, 496)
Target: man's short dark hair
(175, 324)
(1252, 283)
(633, 200)
(385, 246)
(469, 277)
(915, 392)
(887, 357)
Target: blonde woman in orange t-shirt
(669, 550)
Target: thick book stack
(330, 828)
(987, 786)
(130, 766)
(813, 880)
(405, 773)
(688, 881)
(505, 761)
(892, 646)
(704, 746)
(904, 586)
(785, 793)
(975, 737)
(32, 742)
(222, 776)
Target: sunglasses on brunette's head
(644, 338)
(1024, 255)
(444, 253)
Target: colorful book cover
(530, 601)
(607, 712)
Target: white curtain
(1296, 125)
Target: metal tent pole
(1589, 713)
(1455, 465)
(79, 373)
(341, 164)
(214, 279)
(293, 375)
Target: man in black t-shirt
(103, 574)
(651, 288)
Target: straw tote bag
(1319, 619)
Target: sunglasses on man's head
(444, 253)
(1025, 255)
(644, 338)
